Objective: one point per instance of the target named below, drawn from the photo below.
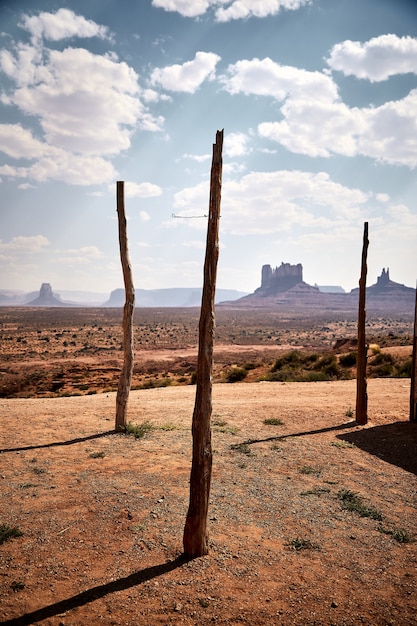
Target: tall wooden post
(125, 379)
(413, 390)
(195, 539)
(361, 388)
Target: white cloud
(376, 59)
(240, 9)
(88, 105)
(144, 216)
(85, 102)
(267, 202)
(264, 77)
(315, 121)
(66, 167)
(234, 9)
(34, 244)
(92, 252)
(199, 158)
(187, 8)
(189, 76)
(142, 190)
(236, 144)
(18, 142)
(316, 128)
(62, 25)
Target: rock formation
(281, 279)
(283, 288)
(47, 297)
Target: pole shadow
(394, 443)
(70, 442)
(301, 434)
(95, 593)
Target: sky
(318, 102)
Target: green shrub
(351, 501)
(236, 374)
(138, 430)
(7, 532)
(348, 360)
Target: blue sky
(318, 102)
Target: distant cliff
(174, 297)
(284, 288)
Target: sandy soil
(102, 514)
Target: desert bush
(300, 367)
(8, 532)
(348, 360)
(236, 374)
(351, 501)
(138, 430)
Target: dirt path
(102, 514)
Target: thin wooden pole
(361, 387)
(195, 539)
(413, 389)
(125, 379)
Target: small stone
(334, 605)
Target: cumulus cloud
(62, 25)
(142, 190)
(267, 202)
(376, 59)
(240, 9)
(314, 121)
(264, 77)
(236, 144)
(88, 105)
(229, 9)
(34, 244)
(189, 76)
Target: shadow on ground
(394, 443)
(90, 595)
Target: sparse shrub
(374, 348)
(138, 430)
(341, 443)
(273, 421)
(291, 359)
(236, 374)
(299, 544)
(403, 370)
(243, 448)
(8, 532)
(399, 534)
(351, 501)
(349, 412)
(348, 360)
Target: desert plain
(312, 519)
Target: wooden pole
(195, 539)
(125, 379)
(361, 387)
(413, 390)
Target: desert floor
(102, 514)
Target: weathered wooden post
(127, 369)
(195, 539)
(361, 388)
(413, 390)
